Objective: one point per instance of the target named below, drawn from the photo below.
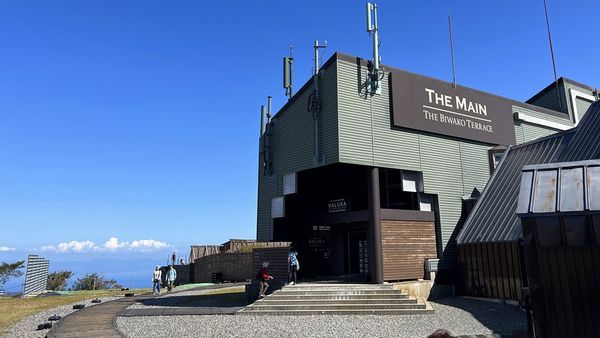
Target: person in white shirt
(156, 279)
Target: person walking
(293, 266)
(263, 276)
(171, 276)
(156, 279)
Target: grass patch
(15, 309)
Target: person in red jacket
(263, 277)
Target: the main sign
(435, 106)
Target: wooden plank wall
(406, 245)
(571, 284)
(490, 270)
(277, 258)
(233, 266)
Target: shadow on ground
(504, 319)
(211, 300)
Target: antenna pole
(316, 105)
(291, 73)
(552, 54)
(375, 38)
(288, 62)
(452, 52)
(269, 107)
(372, 27)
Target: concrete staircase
(337, 299)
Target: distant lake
(130, 273)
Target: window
(495, 155)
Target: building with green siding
(377, 185)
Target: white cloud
(76, 246)
(112, 244)
(148, 244)
(6, 249)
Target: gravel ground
(27, 327)
(461, 316)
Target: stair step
(337, 312)
(321, 307)
(342, 286)
(285, 295)
(341, 292)
(342, 300)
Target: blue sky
(133, 125)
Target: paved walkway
(100, 320)
(95, 321)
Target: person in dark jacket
(263, 277)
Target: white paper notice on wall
(278, 207)
(289, 184)
(425, 202)
(409, 181)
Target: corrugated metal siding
(293, 144)
(526, 132)
(532, 132)
(329, 116)
(547, 117)
(355, 120)
(519, 137)
(475, 166)
(582, 106)
(494, 219)
(442, 175)
(366, 136)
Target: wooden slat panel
(556, 310)
(486, 271)
(505, 274)
(517, 270)
(405, 247)
(593, 274)
(567, 297)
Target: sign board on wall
(338, 205)
(435, 106)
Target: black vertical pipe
(376, 259)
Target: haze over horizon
(129, 130)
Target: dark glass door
(357, 261)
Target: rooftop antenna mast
(452, 52)
(314, 105)
(372, 27)
(552, 54)
(288, 84)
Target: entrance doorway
(357, 261)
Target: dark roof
(494, 217)
(586, 143)
(551, 86)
